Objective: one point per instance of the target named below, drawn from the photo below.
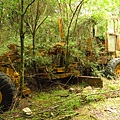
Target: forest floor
(74, 102)
(108, 109)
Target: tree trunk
(22, 48)
(34, 62)
(1, 14)
(33, 35)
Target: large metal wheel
(7, 91)
(113, 68)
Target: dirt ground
(107, 109)
(102, 110)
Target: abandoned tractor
(62, 65)
(9, 78)
(57, 70)
(101, 45)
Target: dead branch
(68, 31)
(28, 24)
(70, 6)
(73, 18)
(28, 7)
(77, 18)
(41, 22)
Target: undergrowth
(62, 103)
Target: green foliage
(62, 105)
(92, 13)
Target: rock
(27, 111)
(110, 110)
(87, 88)
(71, 90)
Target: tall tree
(22, 13)
(22, 46)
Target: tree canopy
(41, 19)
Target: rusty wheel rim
(0, 97)
(117, 71)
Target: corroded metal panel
(111, 43)
(111, 26)
(118, 43)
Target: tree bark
(1, 14)
(22, 13)
(68, 33)
(22, 48)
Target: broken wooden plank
(90, 81)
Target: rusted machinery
(57, 69)
(103, 51)
(9, 77)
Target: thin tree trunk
(68, 33)
(33, 37)
(34, 62)
(1, 14)
(22, 48)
